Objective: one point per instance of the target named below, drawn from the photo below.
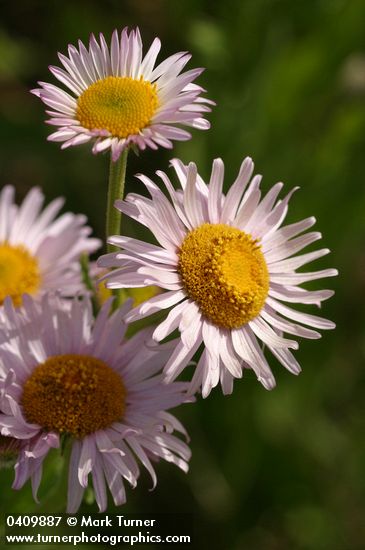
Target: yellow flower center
(73, 394)
(224, 271)
(19, 273)
(119, 104)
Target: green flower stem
(117, 173)
(115, 191)
(88, 282)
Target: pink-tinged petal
(105, 444)
(124, 53)
(162, 131)
(289, 265)
(12, 427)
(127, 279)
(235, 192)
(145, 250)
(210, 376)
(179, 210)
(171, 423)
(215, 191)
(160, 446)
(73, 71)
(62, 135)
(171, 322)
(281, 324)
(36, 479)
(228, 354)
(97, 57)
(287, 359)
(291, 247)
(115, 484)
(298, 295)
(226, 380)
(78, 64)
(199, 124)
(265, 333)
(178, 84)
(299, 278)
(283, 234)
(59, 100)
(99, 484)
(101, 321)
(77, 140)
(150, 59)
(161, 301)
(75, 489)
(211, 337)
(64, 122)
(159, 275)
(168, 78)
(139, 452)
(275, 218)
(6, 205)
(101, 145)
(165, 212)
(166, 65)
(87, 460)
(131, 259)
(120, 465)
(191, 321)
(21, 469)
(105, 55)
(26, 215)
(249, 203)
(192, 204)
(135, 54)
(117, 147)
(43, 445)
(258, 223)
(88, 62)
(197, 380)
(180, 358)
(44, 219)
(246, 346)
(66, 79)
(146, 215)
(305, 318)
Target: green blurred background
(270, 471)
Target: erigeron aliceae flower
(62, 372)
(229, 268)
(120, 98)
(40, 252)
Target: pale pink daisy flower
(40, 252)
(228, 267)
(120, 98)
(62, 372)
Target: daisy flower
(229, 268)
(116, 97)
(62, 372)
(39, 252)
